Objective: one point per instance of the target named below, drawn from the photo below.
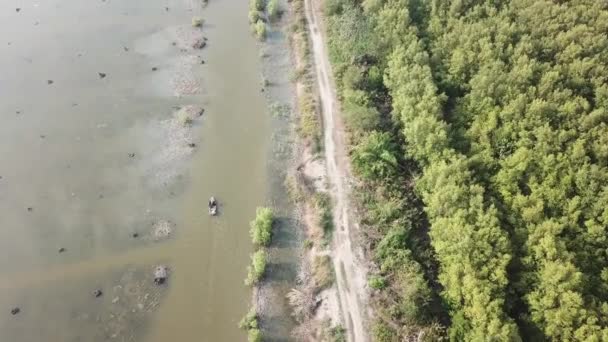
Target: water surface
(87, 161)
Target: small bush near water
(326, 220)
(257, 5)
(254, 16)
(274, 11)
(184, 117)
(261, 226)
(254, 335)
(250, 323)
(260, 29)
(197, 22)
(255, 272)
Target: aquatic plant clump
(184, 117)
(256, 270)
(261, 226)
(197, 22)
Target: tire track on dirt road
(350, 273)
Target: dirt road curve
(350, 274)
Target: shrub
(376, 282)
(254, 335)
(322, 272)
(332, 334)
(332, 7)
(254, 16)
(261, 226)
(260, 30)
(383, 333)
(337, 334)
(352, 77)
(326, 220)
(264, 81)
(197, 22)
(308, 244)
(251, 324)
(375, 157)
(297, 74)
(255, 272)
(303, 302)
(257, 5)
(250, 321)
(360, 119)
(278, 110)
(184, 117)
(274, 11)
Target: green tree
(375, 157)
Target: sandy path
(350, 274)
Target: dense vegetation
(250, 324)
(261, 226)
(479, 130)
(260, 13)
(261, 235)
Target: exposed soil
(350, 272)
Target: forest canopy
(480, 132)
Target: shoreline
(325, 301)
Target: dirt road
(350, 274)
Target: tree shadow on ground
(284, 234)
(281, 272)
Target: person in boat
(212, 206)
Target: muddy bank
(326, 297)
(269, 301)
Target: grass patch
(308, 244)
(294, 189)
(261, 226)
(324, 208)
(309, 125)
(255, 272)
(322, 272)
(298, 74)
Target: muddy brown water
(98, 159)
